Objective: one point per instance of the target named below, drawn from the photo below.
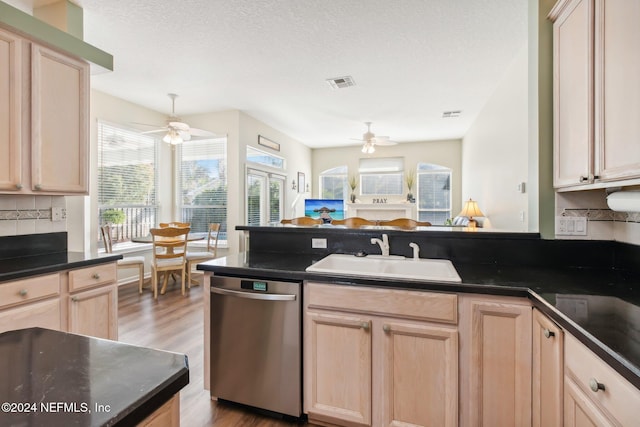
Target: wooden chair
(169, 254)
(126, 262)
(353, 222)
(405, 223)
(174, 224)
(302, 220)
(194, 258)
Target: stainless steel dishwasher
(256, 343)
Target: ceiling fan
(177, 131)
(370, 140)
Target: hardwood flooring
(175, 323)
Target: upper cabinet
(596, 93)
(44, 136)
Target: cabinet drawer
(92, 276)
(43, 314)
(620, 399)
(23, 291)
(438, 307)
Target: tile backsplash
(26, 214)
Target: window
(383, 176)
(265, 197)
(265, 187)
(434, 193)
(334, 183)
(126, 181)
(202, 184)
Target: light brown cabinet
(596, 93)
(595, 394)
(496, 365)
(83, 301)
(44, 119)
(168, 415)
(547, 371)
(377, 356)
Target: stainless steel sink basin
(393, 267)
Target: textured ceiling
(410, 59)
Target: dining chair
(353, 222)
(174, 224)
(302, 220)
(406, 223)
(125, 262)
(194, 258)
(169, 255)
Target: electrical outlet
(317, 243)
(58, 214)
(571, 226)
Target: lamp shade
(471, 209)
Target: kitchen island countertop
(53, 378)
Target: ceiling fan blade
(376, 141)
(163, 130)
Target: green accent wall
(25, 24)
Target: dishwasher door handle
(253, 295)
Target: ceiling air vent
(341, 82)
(451, 114)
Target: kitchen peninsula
(511, 284)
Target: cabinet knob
(37, 187)
(595, 385)
(548, 333)
(365, 325)
(96, 276)
(74, 299)
(19, 186)
(584, 178)
(23, 292)
(386, 328)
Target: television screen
(326, 209)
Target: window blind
(202, 187)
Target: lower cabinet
(548, 371)
(168, 415)
(363, 367)
(496, 388)
(83, 301)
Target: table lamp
(470, 210)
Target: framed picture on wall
(301, 182)
(265, 142)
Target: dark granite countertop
(25, 266)
(53, 378)
(597, 305)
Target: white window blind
(265, 197)
(434, 193)
(381, 176)
(126, 179)
(334, 183)
(202, 187)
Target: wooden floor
(176, 323)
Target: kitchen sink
(393, 267)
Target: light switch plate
(571, 226)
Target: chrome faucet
(384, 244)
(416, 250)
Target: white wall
(495, 152)
(444, 153)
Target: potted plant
(410, 178)
(353, 183)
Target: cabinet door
(95, 312)
(579, 411)
(338, 368)
(10, 112)
(500, 364)
(548, 360)
(420, 374)
(617, 82)
(59, 122)
(573, 93)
